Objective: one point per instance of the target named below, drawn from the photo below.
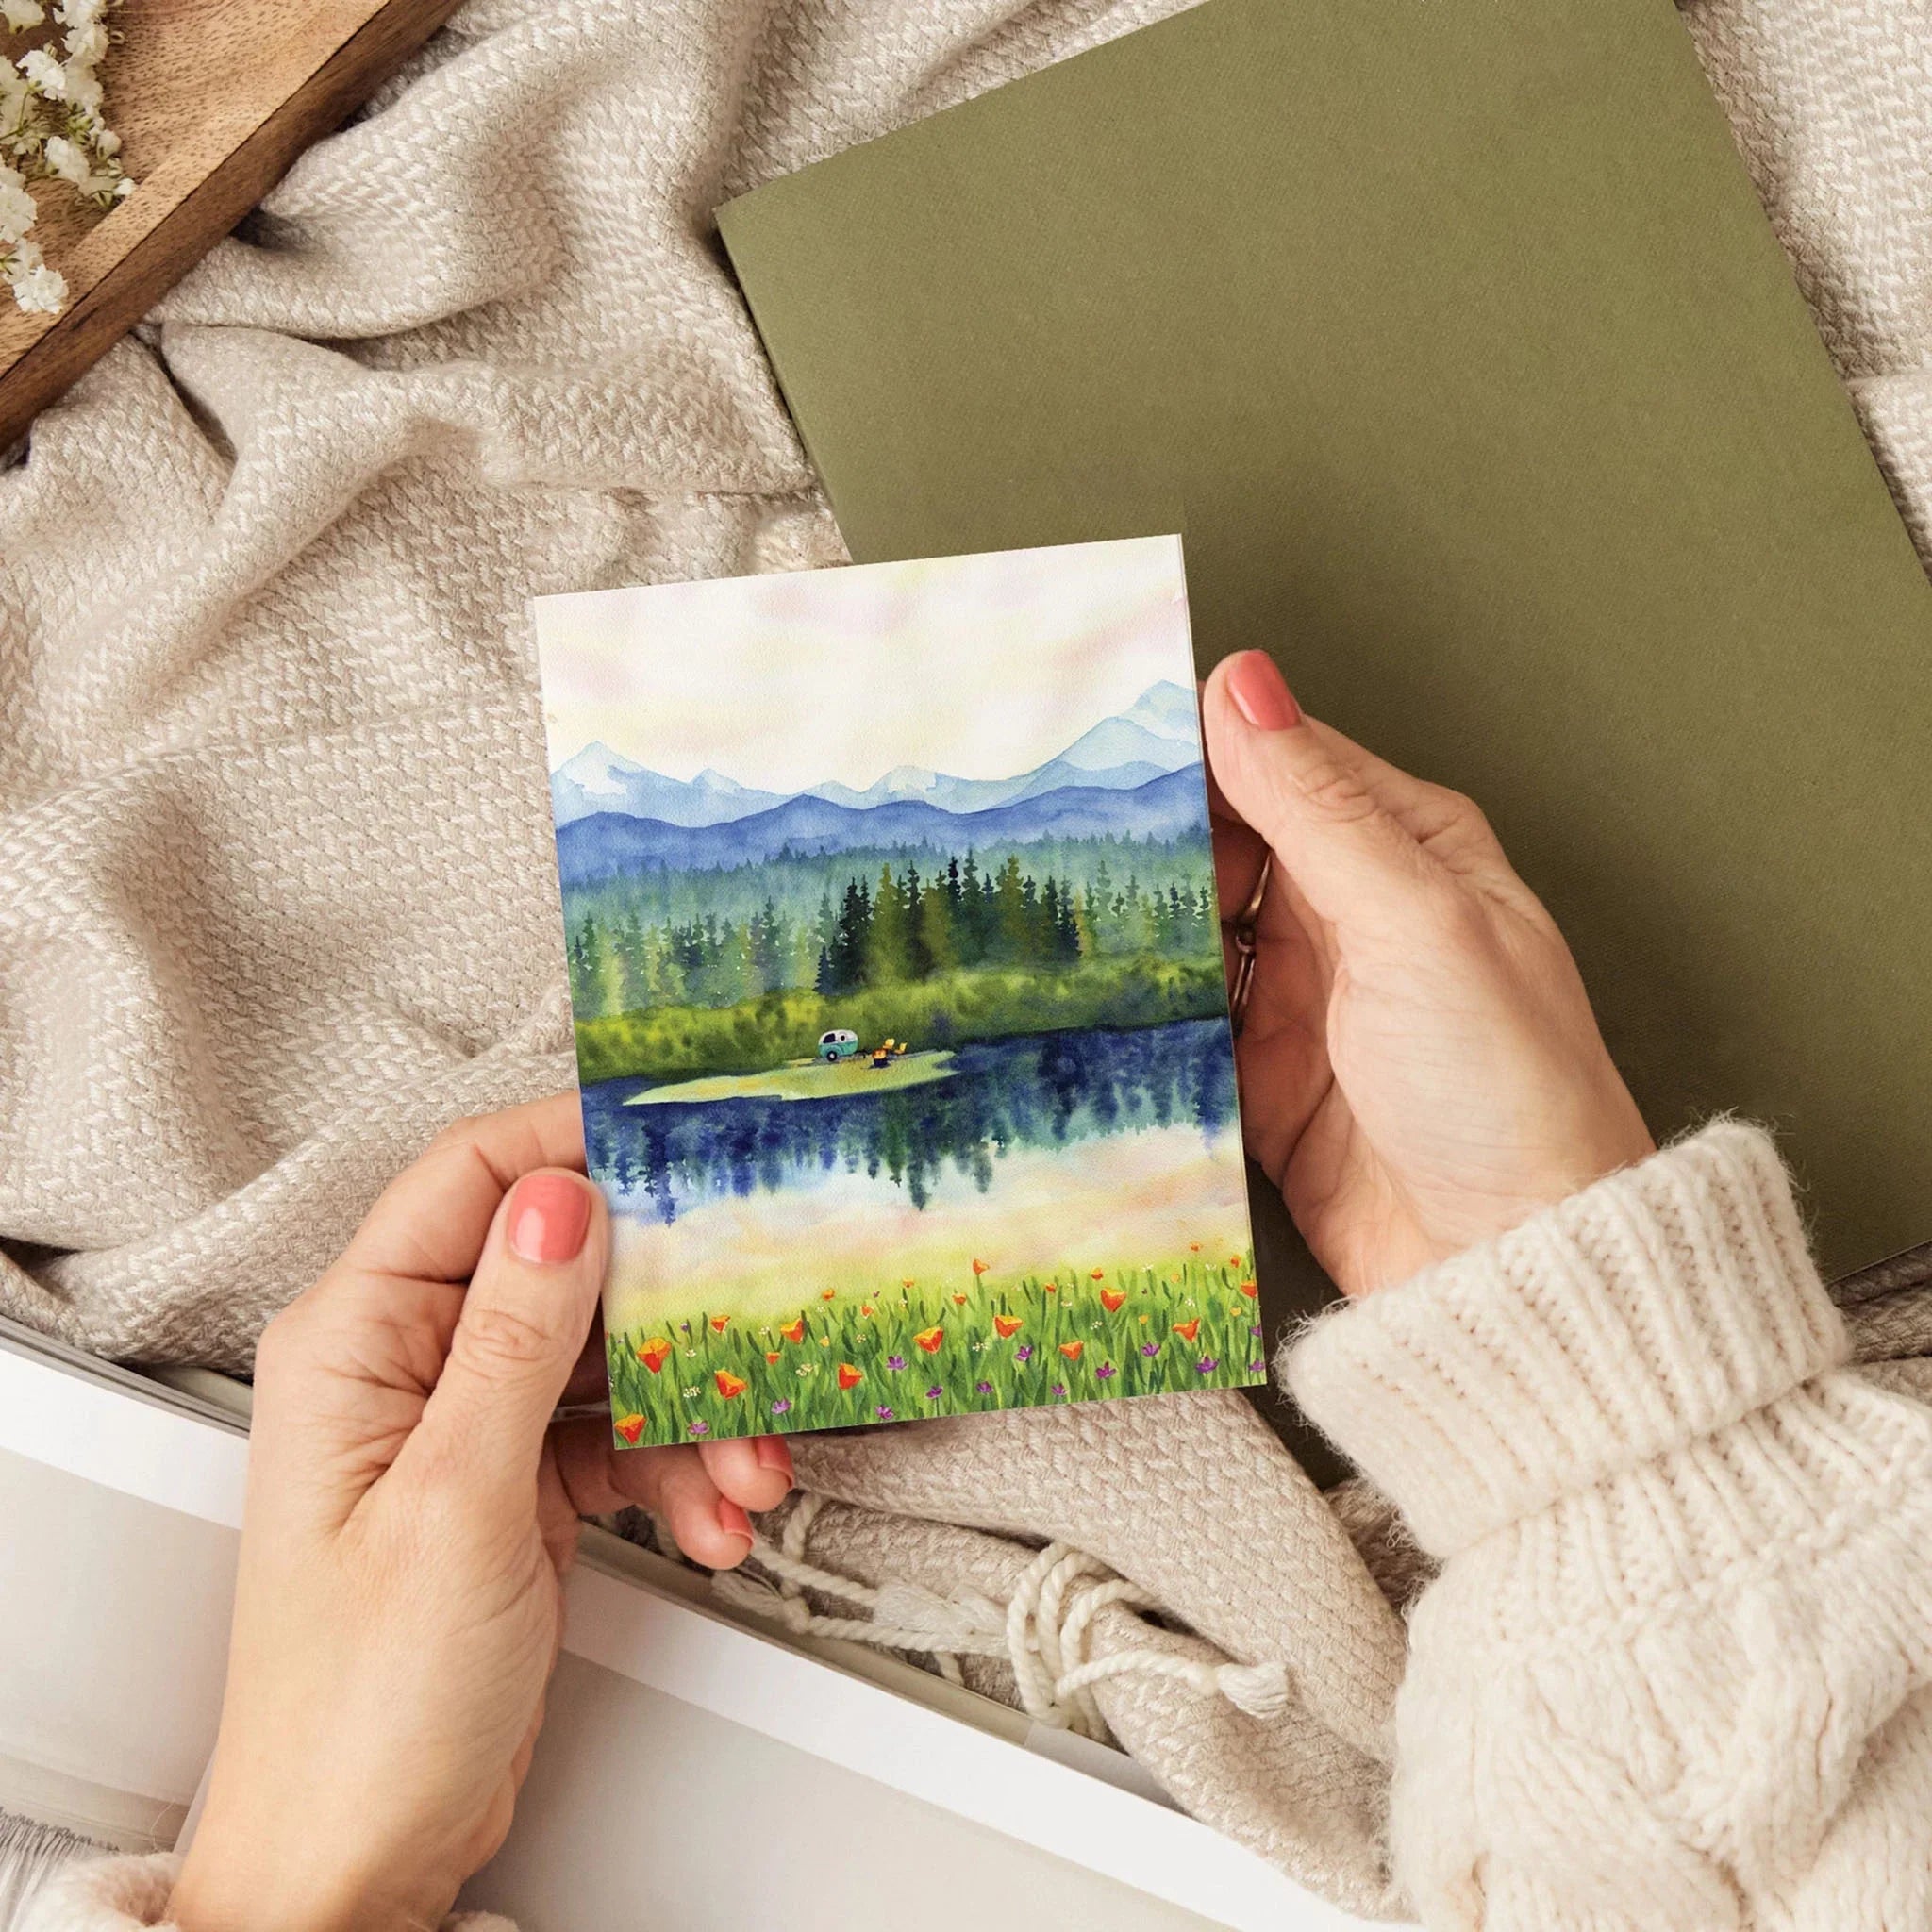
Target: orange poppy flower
(930, 1338)
(958, 1301)
(1052, 1287)
(1111, 1298)
(850, 1377)
(794, 1331)
(826, 1294)
(1187, 1330)
(629, 1426)
(1072, 1350)
(772, 1354)
(865, 1309)
(905, 1284)
(719, 1322)
(1193, 1248)
(1096, 1273)
(729, 1385)
(1249, 1290)
(980, 1267)
(1007, 1325)
(1234, 1260)
(654, 1352)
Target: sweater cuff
(1654, 1307)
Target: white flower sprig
(51, 128)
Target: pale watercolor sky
(979, 666)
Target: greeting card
(897, 976)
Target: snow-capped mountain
(1157, 734)
(598, 779)
(1169, 711)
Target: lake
(1035, 1154)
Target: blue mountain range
(614, 844)
(1157, 734)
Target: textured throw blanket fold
(277, 896)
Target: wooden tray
(212, 100)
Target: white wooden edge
(53, 1416)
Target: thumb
(1296, 784)
(528, 1307)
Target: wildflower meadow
(903, 1349)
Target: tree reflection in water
(1046, 1089)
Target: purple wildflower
(1105, 1370)
(699, 1429)
(1150, 1348)
(1060, 1388)
(1257, 1368)
(896, 1361)
(1256, 1329)
(935, 1393)
(1023, 1353)
(884, 1414)
(782, 1405)
(1207, 1365)
(685, 1326)
(983, 1387)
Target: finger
(672, 1484)
(753, 1471)
(1444, 824)
(1354, 862)
(521, 1328)
(1219, 811)
(431, 1221)
(557, 1522)
(710, 1528)
(590, 1380)
(601, 1479)
(1239, 851)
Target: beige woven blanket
(277, 898)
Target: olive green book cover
(1454, 339)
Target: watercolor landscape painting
(896, 972)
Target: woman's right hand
(1420, 1066)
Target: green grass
(815, 1080)
(789, 1383)
(987, 1003)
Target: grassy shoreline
(947, 1010)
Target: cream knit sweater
(1675, 1673)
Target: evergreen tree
(581, 954)
(1007, 935)
(1046, 941)
(913, 896)
(938, 920)
(1067, 946)
(970, 921)
(768, 950)
(886, 959)
(847, 955)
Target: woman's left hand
(411, 1511)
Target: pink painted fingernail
(732, 1519)
(549, 1216)
(772, 1454)
(1260, 693)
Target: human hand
(411, 1511)
(1420, 1067)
